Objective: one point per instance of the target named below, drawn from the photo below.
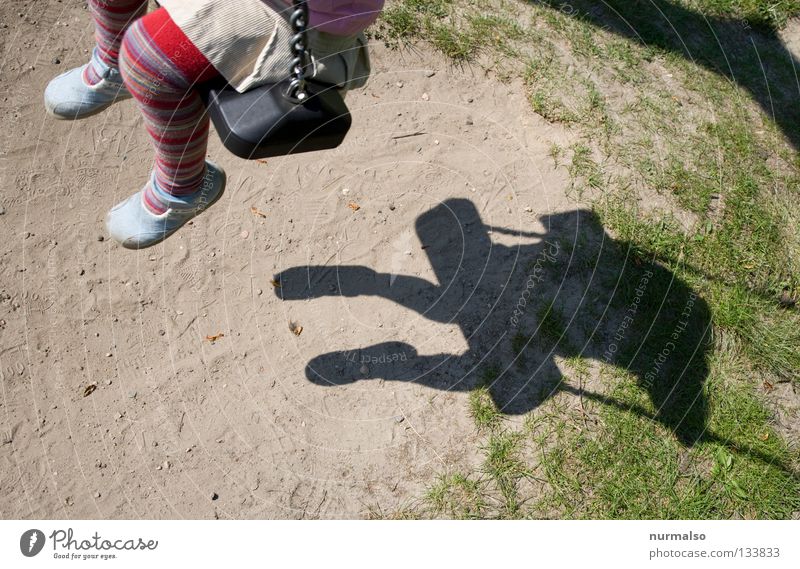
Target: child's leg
(111, 19)
(160, 67)
(89, 89)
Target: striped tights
(160, 68)
(111, 19)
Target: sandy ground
(355, 414)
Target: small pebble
(345, 191)
(101, 238)
(2, 210)
(245, 234)
(132, 394)
(426, 97)
(399, 419)
(392, 207)
(430, 73)
(214, 496)
(97, 494)
(166, 465)
(529, 209)
(399, 84)
(56, 61)
(470, 122)
(108, 354)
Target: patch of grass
(482, 407)
(696, 182)
(762, 13)
(692, 190)
(457, 496)
(453, 28)
(434, 8)
(434, 21)
(503, 463)
(656, 236)
(551, 108)
(632, 468)
(400, 22)
(768, 335)
(454, 43)
(498, 30)
(584, 168)
(556, 152)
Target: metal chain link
(299, 21)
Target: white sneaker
(136, 227)
(69, 97)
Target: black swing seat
(263, 122)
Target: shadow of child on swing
(576, 293)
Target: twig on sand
(418, 133)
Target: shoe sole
(76, 117)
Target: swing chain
(297, 91)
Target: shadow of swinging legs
(576, 292)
